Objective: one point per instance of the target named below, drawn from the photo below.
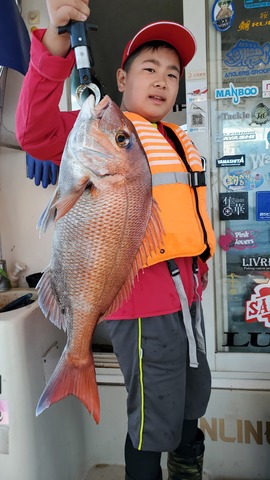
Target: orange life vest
(176, 189)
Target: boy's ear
(121, 79)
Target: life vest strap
(193, 179)
(175, 273)
(198, 320)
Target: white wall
(21, 202)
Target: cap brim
(176, 35)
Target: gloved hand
(43, 171)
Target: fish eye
(122, 138)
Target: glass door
(239, 112)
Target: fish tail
(71, 379)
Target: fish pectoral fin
(48, 215)
(65, 203)
(48, 302)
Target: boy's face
(151, 84)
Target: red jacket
(42, 130)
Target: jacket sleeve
(41, 127)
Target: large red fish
(106, 224)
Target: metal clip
(83, 56)
(91, 86)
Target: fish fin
(48, 302)
(65, 203)
(48, 215)
(70, 379)
(152, 240)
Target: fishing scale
(83, 55)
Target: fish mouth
(97, 110)
(102, 105)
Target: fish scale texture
(105, 218)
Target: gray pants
(162, 388)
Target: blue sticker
(256, 3)
(248, 54)
(242, 180)
(263, 206)
(222, 14)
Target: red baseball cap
(173, 33)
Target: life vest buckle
(173, 268)
(195, 267)
(197, 179)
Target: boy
(157, 334)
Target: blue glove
(43, 171)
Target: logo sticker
(258, 307)
(262, 206)
(223, 14)
(232, 116)
(239, 240)
(256, 263)
(236, 93)
(233, 206)
(265, 88)
(248, 53)
(242, 180)
(256, 3)
(231, 161)
(260, 114)
(235, 134)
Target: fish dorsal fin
(48, 302)
(153, 239)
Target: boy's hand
(60, 13)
